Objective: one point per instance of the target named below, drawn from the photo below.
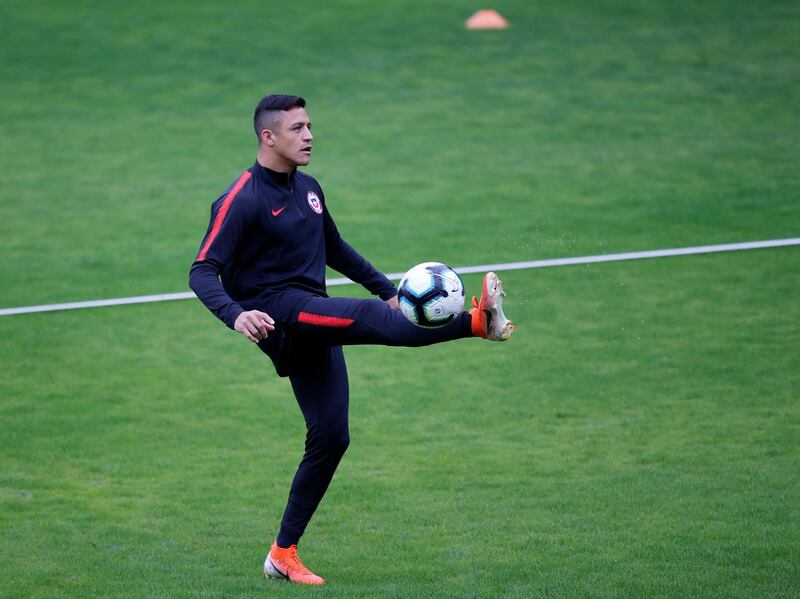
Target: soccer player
(261, 270)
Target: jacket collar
(269, 176)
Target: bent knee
(338, 443)
(331, 443)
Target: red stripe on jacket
(223, 210)
(324, 321)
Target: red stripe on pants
(324, 321)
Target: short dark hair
(268, 105)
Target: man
(261, 270)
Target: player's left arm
(341, 257)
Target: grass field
(638, 437)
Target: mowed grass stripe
(709, 249)
(583, 129)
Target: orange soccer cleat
(286, 564)
(488, 320)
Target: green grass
(634, 439)
(637, 438)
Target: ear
(267, 137)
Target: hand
(254, 325)
(392, 303)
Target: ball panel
(408, 308)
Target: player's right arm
(227, 229)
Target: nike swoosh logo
(278, 211)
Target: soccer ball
(431, 294)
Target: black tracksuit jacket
(268, 241)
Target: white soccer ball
(431, 294)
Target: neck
(273, 162)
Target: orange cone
(486, 19)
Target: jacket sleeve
(341, 257)
(227, 227)
(204, 281)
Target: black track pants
(314, 335)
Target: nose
(308, 136)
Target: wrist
(233, 314)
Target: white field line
(702, 249)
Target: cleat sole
(500, 327)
